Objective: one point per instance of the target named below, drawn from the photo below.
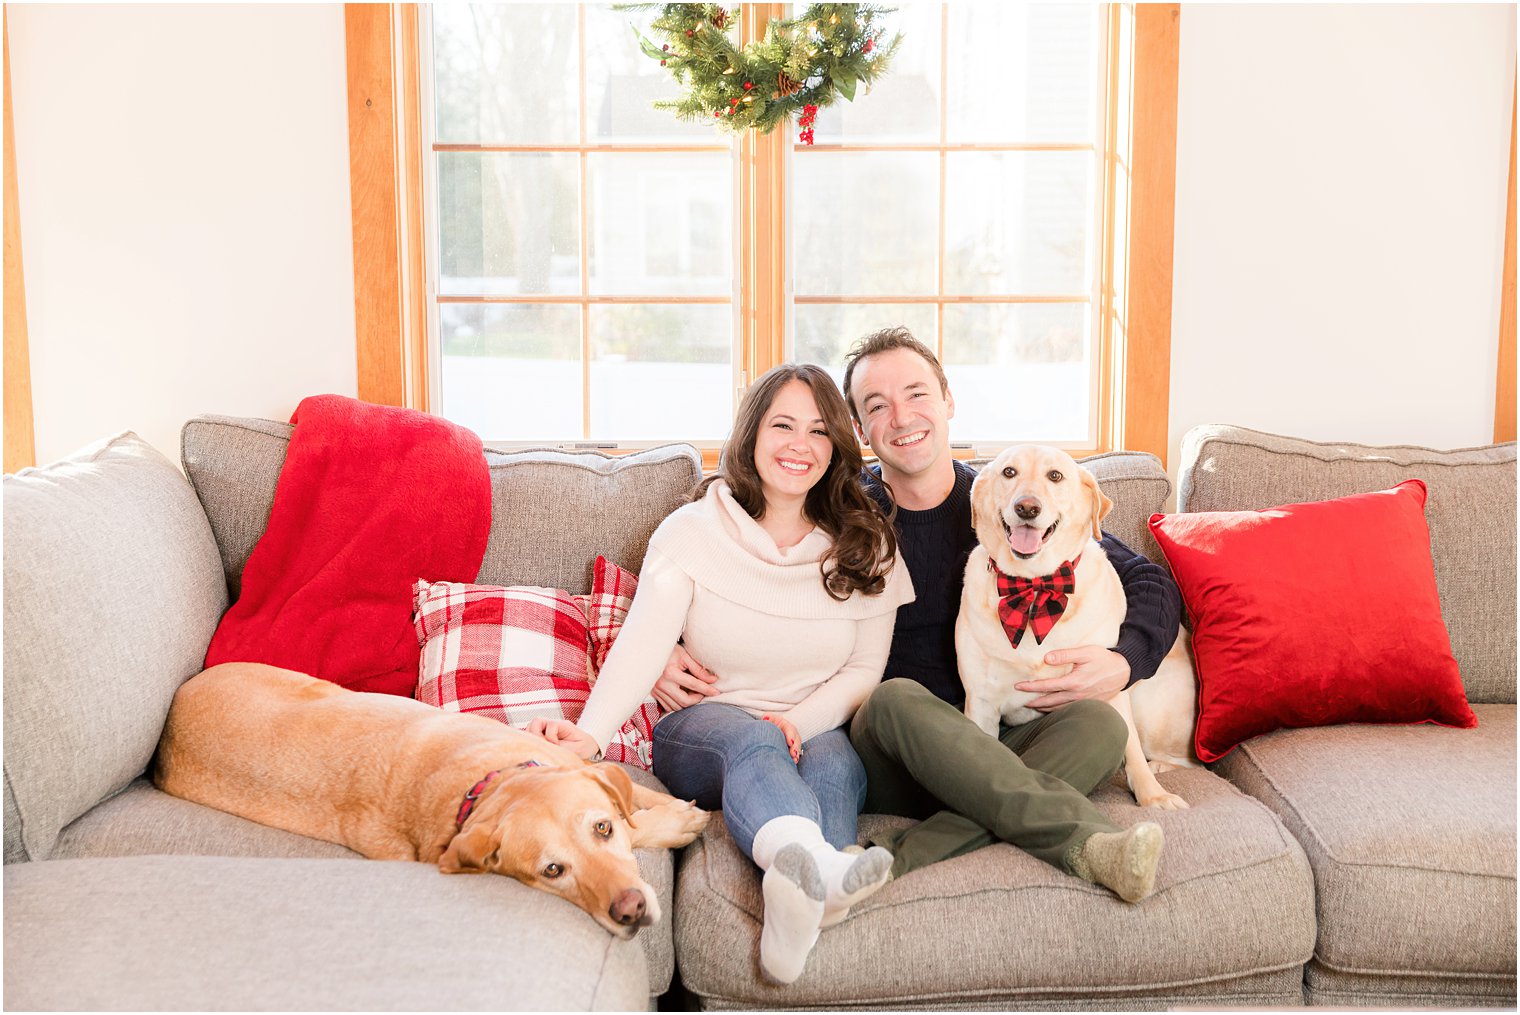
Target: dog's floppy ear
(1101, 505)
(472, 851)
(618, 786)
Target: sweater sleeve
(1154, 609)
(833, 702)
(653, 625)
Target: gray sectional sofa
(1358, 865)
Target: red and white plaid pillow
(520, 653)
(612, 590)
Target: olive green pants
(1028, 786)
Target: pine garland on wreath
(797, 67)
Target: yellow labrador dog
(395, 779)
(1034, 510)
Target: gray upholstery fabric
(141, 820)
(1138, 486)
(234, 465)
(1470, 510)
(212, 933)
(552, 511)
(1410, 831)
(1232, 920)
(112, 591)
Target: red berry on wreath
(662, 63)
(748, 85)
(870, 45)
(690, 33)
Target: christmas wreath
(798, 66)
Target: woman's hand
(683, 682)
(566, 734)
(793, 741)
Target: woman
(781, 576)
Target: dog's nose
(1027, 508)
(627, 909)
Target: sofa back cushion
(1470, 510)
(552, 511)
(1138, 486)
(112, 590)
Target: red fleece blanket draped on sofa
(370, 499)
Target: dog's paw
(1164, 801)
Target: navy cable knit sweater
(934, 544)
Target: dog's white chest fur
(990, 665)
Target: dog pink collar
(468, 804)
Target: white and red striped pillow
(522, 652)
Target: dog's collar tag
(474, 794)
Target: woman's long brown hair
(865, 544)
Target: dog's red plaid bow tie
(1035, 603)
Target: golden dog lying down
(395, 779)
(1034, 509)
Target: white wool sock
(848, 878)
(793, 892)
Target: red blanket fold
(370, 499)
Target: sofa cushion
(552, 511)
(1471, 513)
(1410, 831)
(1273, 595)
(1232, 921)
(142, 820)
(215, 933)
(113, 587)
(1138, 486)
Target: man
(923, 757)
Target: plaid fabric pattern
(521, 653)
(1034, 603)
(514, 654)
(612, 590)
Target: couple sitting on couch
(782, 579)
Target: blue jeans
(725, 759)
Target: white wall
(1341, 177)
(183, 176)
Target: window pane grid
(607, 309)
(1084, 202)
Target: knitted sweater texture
(754, 614)
(934, 545)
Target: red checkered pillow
(612, 590)
(517, 654)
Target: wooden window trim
(1504, 394)
(389, 274)
(20, 442)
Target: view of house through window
(585, 247)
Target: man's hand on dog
(566, 734)
(1095, 673)
(684, 682)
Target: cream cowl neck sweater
(752, 613)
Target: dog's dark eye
(604, 828)
(1054, 476)
(1010, 472)
(553, 870)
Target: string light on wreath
(823, 54)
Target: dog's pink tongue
(1024, 539)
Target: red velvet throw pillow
(1312, 615)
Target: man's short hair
(883, 341)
